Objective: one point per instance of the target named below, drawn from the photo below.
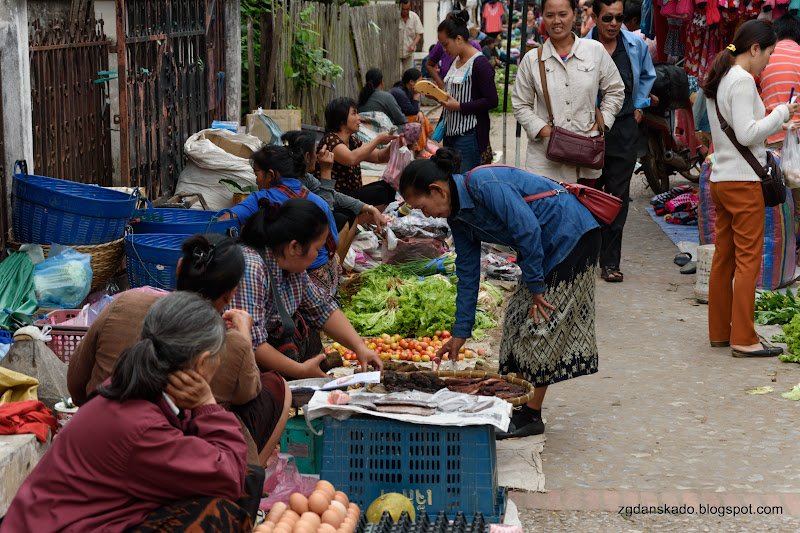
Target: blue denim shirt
(644, 73)
(543, 232)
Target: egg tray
(423, 524)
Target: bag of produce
(63, 280)
(790, 159)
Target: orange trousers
(737, 261)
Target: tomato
(481, 351)
(403, 344)
(395, 346)
(424, 345)
(439, 333)
(395, 357)
(416, 358)
(347, 364)
(426, 358)
(431, 349)
(468, 354)
(461, 350)
(445, 357)
(461, 357)
(445, 334)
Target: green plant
(775, 308)
(235, 188)
(308, 62)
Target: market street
(666, 420)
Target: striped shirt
(776, 81)
(297, 292)
(458, 84)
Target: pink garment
(690, 199)
(116, 462)
(492, 17)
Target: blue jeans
(467, 146)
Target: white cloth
(573, 85)
(408, 32)
(737, 91)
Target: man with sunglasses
(632, 58)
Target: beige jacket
(573, 85)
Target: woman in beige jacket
(577, 70)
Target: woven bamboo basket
(106, 258)
(516, 402)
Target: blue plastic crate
(439, 468)
(152, 259)
(182, 221)
(53, 211)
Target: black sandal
(611, 274)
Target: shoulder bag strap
(746, 153)
(287, 324)
(546, 92)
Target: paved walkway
(666, 420)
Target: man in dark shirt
(631, 56)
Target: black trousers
(621, 148)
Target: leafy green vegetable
(388, 302)
(775, 308)
(759, 390)
(235, 188)
(792, 333)
(793, 394)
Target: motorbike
(672, 146)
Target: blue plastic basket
(54, 211)
(182, 221)
(439, 468)
(152, 259)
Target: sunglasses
(609, 18)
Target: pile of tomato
(396, 348)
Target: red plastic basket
(65, 339)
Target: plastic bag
(498, 267)
(415, 224)
(214, 155)
(412, 249)
(64, 280)
(89, 313)
(399, 158)
(283, 480)
(790, 159)
(373, 123)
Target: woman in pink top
(152, 451)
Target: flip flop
(611, 274)
(689, 268)
(682, 258)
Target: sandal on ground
(720, 344)
(682, 258)
(689, 268)
(767, 351)
(611, 274)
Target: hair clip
(731, 47)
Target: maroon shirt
(114, 463)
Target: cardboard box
(233, 148)
(286, 119)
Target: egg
(302, 526)
(349, 523)
(282, 527)
(289, 517)
(326, 487)
(275, 512)
(326, 528)
(335, 504)
(332, 517)
(318, 502)
(298, 503)
(341, 497)
(311, 518)
(353, 506)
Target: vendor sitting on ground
(345, 208)
(211, 266)
(557, 241)
(278, 171)
(152, 451)
(373, 98)
(341, 125)
(407, 97)
(279, 242)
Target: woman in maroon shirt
(152, 449)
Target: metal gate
(4, 206)
(171, 61)
(71, 135)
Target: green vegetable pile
(775, 308)
(791, 332)
(389, 302)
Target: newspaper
(355, 379)
(452, 408)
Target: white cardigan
(742, 108)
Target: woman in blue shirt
(557, 242)
(278, 170)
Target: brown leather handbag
(573, 148)
(772, 184)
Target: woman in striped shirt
(471, 94)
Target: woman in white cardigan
(736, 188)
(576, 69)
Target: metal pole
(522, 48)
(505, 92)
(122, 79)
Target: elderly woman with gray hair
(152, 451)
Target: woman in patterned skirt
(557, 242)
